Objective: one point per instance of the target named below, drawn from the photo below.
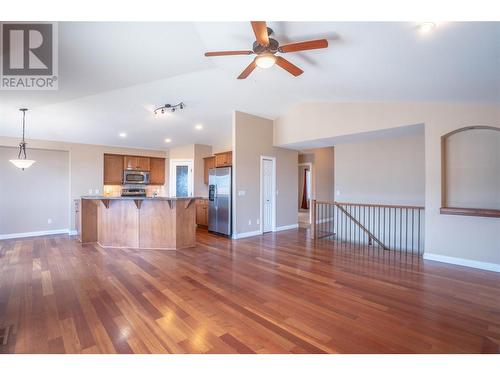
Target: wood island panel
(186, 224)
(157, 226)
(118, 225)
(88, 217)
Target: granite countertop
(99, 197)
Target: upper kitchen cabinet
(113, 169)
(224, 159)
(157, 171)
(208, 163)
(138, 163)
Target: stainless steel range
(133, 191)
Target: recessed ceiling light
(198, 126)
(426, 27)
(123, 135)
(168, 140)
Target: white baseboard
(463, 262)
(72, 232)
(237, 236)
(34, 234)
(287, 227)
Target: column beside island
(139, 222)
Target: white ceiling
(112, 75)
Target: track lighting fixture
(168, 107)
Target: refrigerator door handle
(215, 197)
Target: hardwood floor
(273, 294)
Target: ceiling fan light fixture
(265, 61)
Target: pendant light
(21, 162)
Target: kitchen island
(138, 222)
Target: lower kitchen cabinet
(202, 212)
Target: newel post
(313, 219)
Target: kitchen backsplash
(116, 190)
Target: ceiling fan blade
(227, 53)
(288, 66)
(249, 69)
(302, 46)
(260, 31)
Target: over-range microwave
(135, 177)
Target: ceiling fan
(266, 48)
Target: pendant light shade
(22, 162)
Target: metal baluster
(378, 224)
(370, 225)
(400, 233)
(336, 213)
(389, 232)
(412, 230)
(406, 232)
(418, 245)
(384, 227)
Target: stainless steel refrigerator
(219, 200)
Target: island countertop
(101, 197)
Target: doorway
(267, 194)
(181, 178)
(304, 194)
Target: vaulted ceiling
(112, 75)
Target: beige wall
(182, 152)
(253, 138)
(322, 160)
(200, 152)
(195, 152)
(389, 171)
(473, 169)
(465, 237)
(30, 198)
(86, 163)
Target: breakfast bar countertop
(100, 197)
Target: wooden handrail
(370, 205)
(372, 236)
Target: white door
(267, 195)
(181, 178)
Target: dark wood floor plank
(277, 293)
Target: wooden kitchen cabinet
(138, 163)
(202, 212)
(113, 169)
(224, 159)
(209, 163)
(156, 171)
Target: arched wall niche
(470, 171)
